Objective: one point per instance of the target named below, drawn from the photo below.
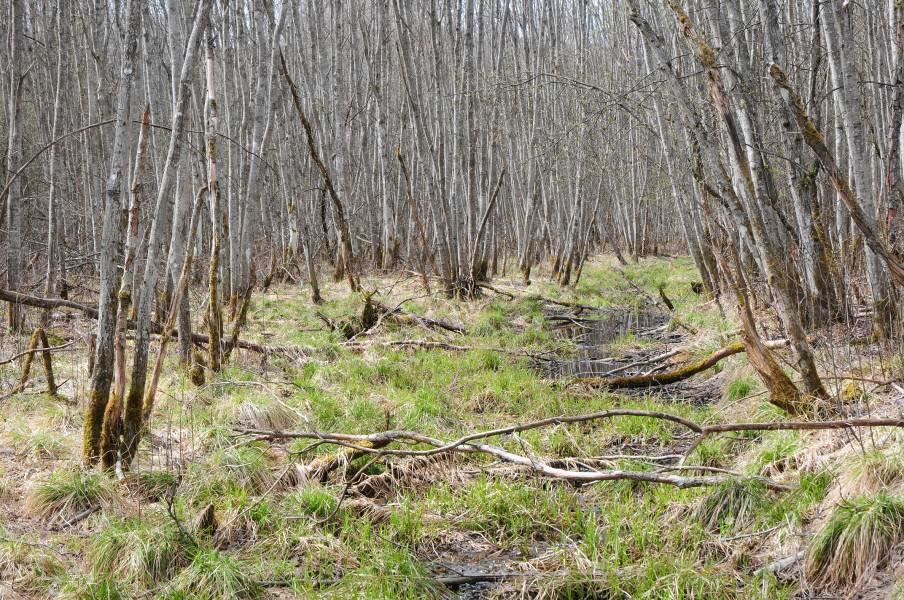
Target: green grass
(39, 444)
(93, 588)
(734, 505)
(313, 500)
(856, 540)
(28, 566)
(213, 574)
(146, 550)
(777, 453)
(613, 539)
(67, 492)
(151, 485)
(246, 467)
(876, 470)
(740, 388)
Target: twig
(33, 350)
(77, 518)
(750, 535)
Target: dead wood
(425, 321)
(319, 468)
(357, 445)
(676, 375)
(666, 299)
(407, 474)
(155, 328)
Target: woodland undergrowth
(210, 510)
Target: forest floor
(211, 511)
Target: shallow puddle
(593, 336)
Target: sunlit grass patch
(213, 574)
(733, 505)
(795, 506)
(266, 414)
(740, 388)
(386, 571)
(93, 587)
(856, 540)
(243, 519)
(712, 452)
(313, 500)
(28, 566)
(146, 550)
(505, 510)
(150, 485)
(68, 492)
(246, 467)
(39, 444)
(776, 453)
(875, 470)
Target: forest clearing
(222, 502)
(535, 299)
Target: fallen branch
(426, 321)
(664, 303)
(644, 362)
(77, 518)
(375, 444)
(679, 374)
(33, 350)
(485, 286)
(156, 328)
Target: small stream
(593, 335)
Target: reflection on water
(593, 334)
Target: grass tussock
(28, 567)
(136, 550)
(93, 587)
(67, 493)
(39, 444)
(151, 485)
(733, 505)
(266, 415)
(855, 541)
(212, 575)
(875, 470)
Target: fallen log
(376, 443)
(674, 376)
(320, 467)
(426, 321)
(91, 312)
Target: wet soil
(593, 333)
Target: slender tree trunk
(111, 242)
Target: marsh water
(594, 333)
